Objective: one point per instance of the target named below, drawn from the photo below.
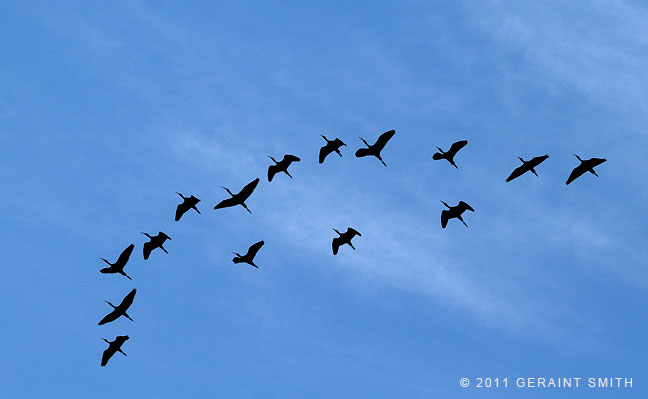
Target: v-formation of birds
(375, 150)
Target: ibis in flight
(249, 255)
(331, 145)
(526, 167)
(377, 147)
(585, 166)
(240, 197)
(113, 347)
(450, 154)
(281, 166)
(187, 203)
(119, 310)
(118, 266)
(344, 238)
(155, 242)
(454, 212)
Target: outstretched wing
(383, 139)
(445, 216)
(324, 151)
(112, 316)
(362, 152)
(437, 156)
(336, 245)
(226, 203)
(455, 147)
(272, 170)
(125, 255)
(254, 248)
(148, 247)
(519, 171)
(464, 207)
(248, 189)
(290, 158)
(181, 209)
(107, 354)
(354, 231)
(128, 300)
(576, 173)
(593, 162)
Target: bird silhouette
(454, 212)
(450, 154)
(118, 266)
(331, 145)
(119, 310)
(240, 197)
(377, 147)
(526, 167)
(344, 238)
(187, 203)
(155, 242)
(249, 255)
(113, 347)
(281, 166)
(585, 166)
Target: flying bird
(526, 167)
(454, 212)
(187, 203)
(450, 154)
(118, 266)
(119, 310)
(113, 347)
(249, 255)
(585, 166)
(155, 242)
(377, 147)
(344, 238)
(281, 166)
(331, 145)
(240, 197)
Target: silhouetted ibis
(119, 310)
(344, 238)
(585, 166)
(113, 347)
(187, 203)
(526, 167)
(450, 154)
(155, 242)
(377, 147)
(239, 199)
(281, 166)
(454, 212)
(331, 145)
(118, 267)
(249, 255)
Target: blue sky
(107, 110)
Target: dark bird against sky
(454, 212)
(450, 154)
(119, 310)
(118, 266)
(585, 166)
(377, 147)
(155, 242)
(281, 166)
(249, 255)
(344, 238)
(527, 166)
(113, 347)
(187, 203)
(240, 197)
(331, 145)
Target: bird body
(281, 166)
(113, 347)
(454, 212)
(526, 167)
(118, 266)
(331, 145)
(155, 242)
(377, 147)
(450, 154)
(249, 255)
(187, 203)
(119, 310)
(240, 197)
(344, 238)
(585, 166)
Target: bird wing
(290, 158)
(324, 151)
(226, 203)
(354, 231)
(383, 139)
(464, 207)
(596, 161)
(248, 189)
(254, 248)
(445, 216)
(128, 300)
(107, 354)
(437, 156)
(112, 316)
(336, 245)
(272, 171)
(455, 147)
(535, 161)
(576, 173)
(180, 210)
(362, 152)
(148, 247)
(125, 255)
(517, 172)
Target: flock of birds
(188, 203)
